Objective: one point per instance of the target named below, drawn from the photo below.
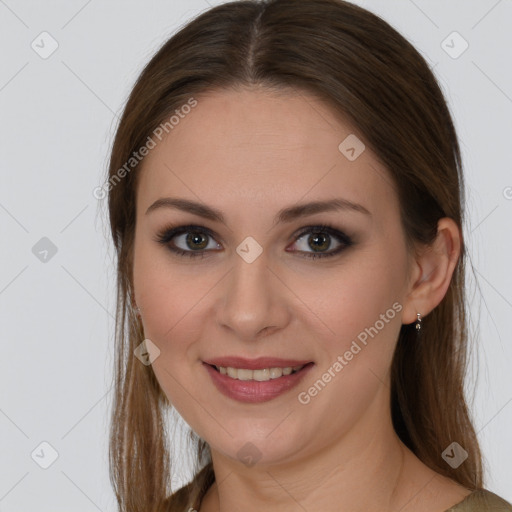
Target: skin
(249, 153)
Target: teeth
(261, 375)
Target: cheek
(169, 307)
(167, 299)
(361, 307)
(173, 299)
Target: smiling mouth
(260, 384)
(260, 375)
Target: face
(259, 283)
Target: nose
(253, 301)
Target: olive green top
(477, 501)
(482, 501)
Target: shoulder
(482, 501)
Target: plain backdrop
(58, 113)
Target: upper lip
(256, 364)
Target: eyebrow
(285, 215)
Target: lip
(256, 364)
(252, 391)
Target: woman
(286, 201)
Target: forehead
(262, 147)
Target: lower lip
(252, 391)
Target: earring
(418, 322)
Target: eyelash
(167, 234)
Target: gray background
(58, 115)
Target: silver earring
(418, 322)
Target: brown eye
(196, 240)
(320, 239)
(193, 240)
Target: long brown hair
(374, 78)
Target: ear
(432, 270)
